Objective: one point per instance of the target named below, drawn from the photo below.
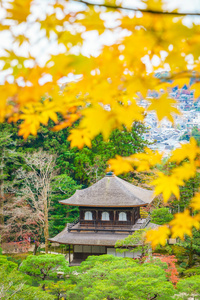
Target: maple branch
(182, 74)
(156, 12)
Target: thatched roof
(88, 238)
(111, 191)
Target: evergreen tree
(9, 162)
(63, 187)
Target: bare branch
(150, 11)
(29, 211)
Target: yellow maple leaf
(154, 5)
(98, 120)
(181, 82)
(19, 10)
(33, 115)
(20, 39)
(164, 107)
(185, 172)
(5, 110)
(195, 202)
(91, 17)
(70, 119)
(79, 138)
(167, 185)
(119, 165)
(190, 151)
(163, 85)
(30, 125)
(7, 92)
(48, 111)
(158, 236)
(183, 223)
(50, 23)
(196, 88)
(197, 163)
(126, 114)
(144, 161)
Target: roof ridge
(123, 183)
(132, 185)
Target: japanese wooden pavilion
(109, 211)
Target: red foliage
(148, 208)
(171, 271)
(21, 246)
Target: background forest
(24, 161)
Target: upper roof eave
(83, 205)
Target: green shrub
(192, 272)
(161, 216)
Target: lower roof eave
(83, 244)
(88, 239)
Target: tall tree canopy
(50, 70)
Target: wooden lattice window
(122, 216)
(105, 216)
(88, 216)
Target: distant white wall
(112, 251)
(89, 249)
(102, 249)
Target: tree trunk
(46, 226)
(190, 258)
(35, 249)
(59, 296)
(2, 192)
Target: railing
(111, 226)
(142, 223)
(104, 223)
(70, 225)
(148, 219)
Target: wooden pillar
(69, 254)
(96, 219)
(133, 214)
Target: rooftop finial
(110, 174)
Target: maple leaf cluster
(36, 92)
(102, 90)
